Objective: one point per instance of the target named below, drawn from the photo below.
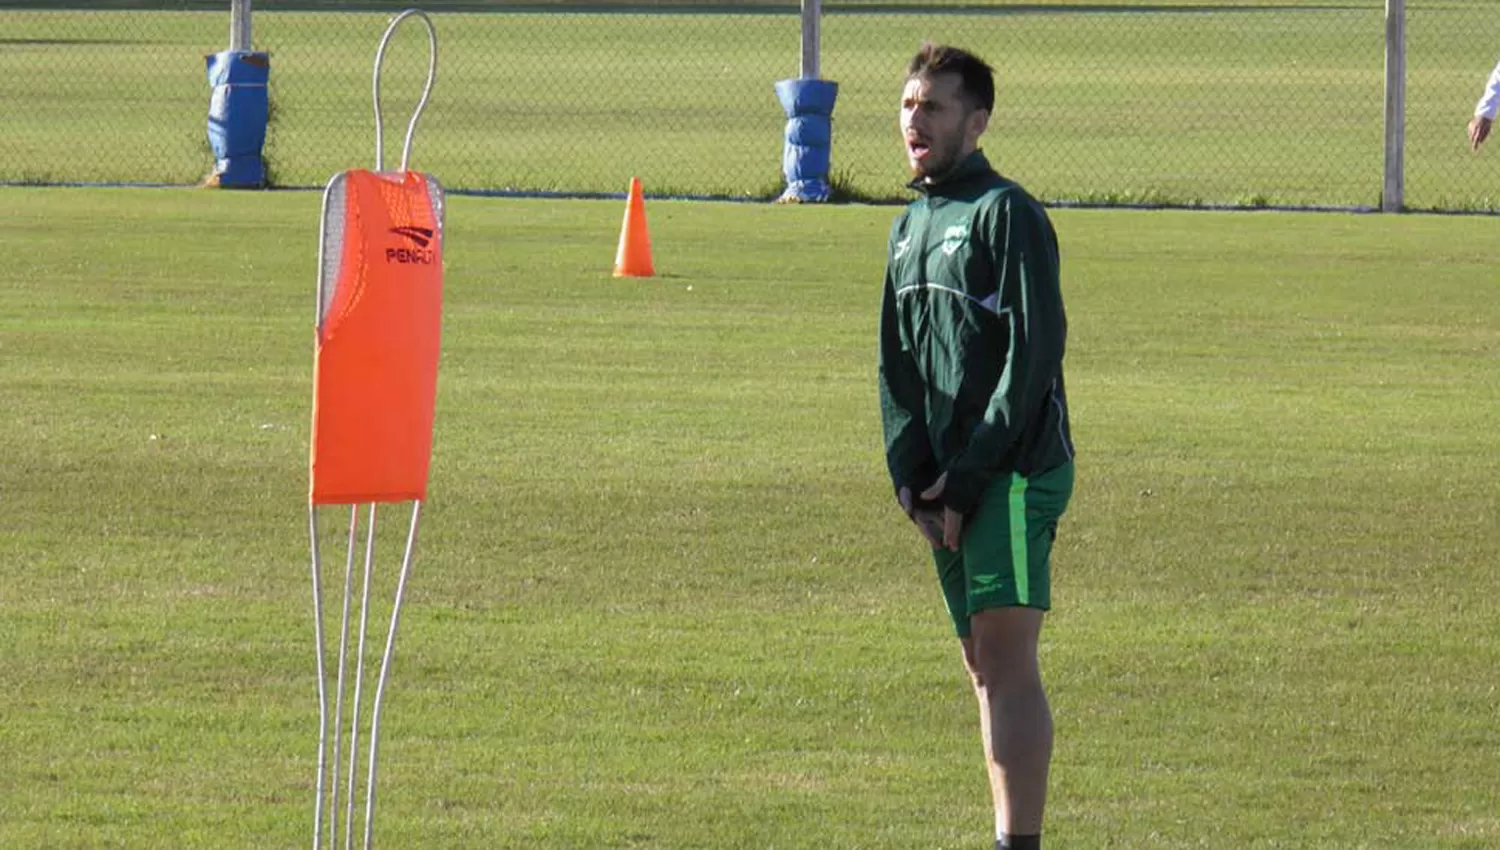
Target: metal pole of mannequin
(812, 17)
(239, 25)
(1392, 195)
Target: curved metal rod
(338, 703)
(317, 590)
(385, 670)
(359, 681)
(411, 128)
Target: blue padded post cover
(809, 138)
(237, 116)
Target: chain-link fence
(1249, 103)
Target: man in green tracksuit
(972, 333)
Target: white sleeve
(1490, 103)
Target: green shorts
(1004, 557)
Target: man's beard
(937, 165)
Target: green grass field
(662, 598)
(1248, 103)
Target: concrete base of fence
(809, 138)
(237, 116)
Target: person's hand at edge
(928, 521)
(1479, 130)
(952, 521)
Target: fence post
(812, 51)
(239, 25)
(808, 104)
(1394, 189)
(239, 109)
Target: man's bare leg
(1015, 720)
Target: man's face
(940, 130)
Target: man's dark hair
(978, 78)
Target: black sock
(1019, 842)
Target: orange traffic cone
(633, 259)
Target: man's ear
(979, 121)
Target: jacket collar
(972, 166)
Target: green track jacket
(972, 333)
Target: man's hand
(928, 521)
(1479, 130)
(952, 521)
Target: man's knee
(971, 661)
(1002, 652)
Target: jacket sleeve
(1024, 253)
(908, 451)
(1489, 102)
